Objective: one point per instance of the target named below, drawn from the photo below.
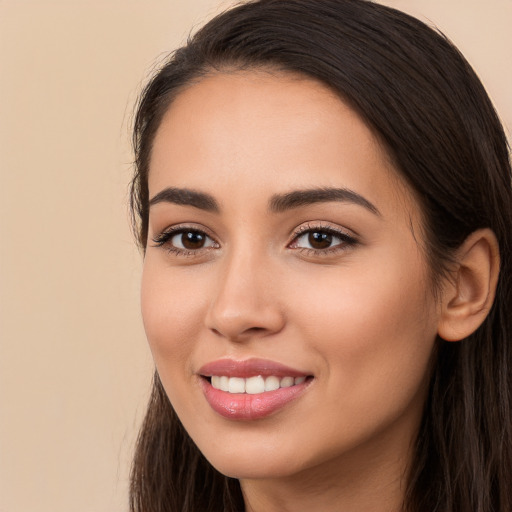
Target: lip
(249, 368)
(247, 407)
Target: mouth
(251, 389)
(253, 385)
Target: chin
(256, 469)
(256, 462)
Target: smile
(251, 389)
(254, 385)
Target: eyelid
(348, 237)
(164, 237)
(324, 226)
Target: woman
(323, 196)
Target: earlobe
(469, 294)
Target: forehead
(271, 132)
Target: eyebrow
(278, 203)
(186, 197)
(282, 202)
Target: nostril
(244, 321)
(242, 334)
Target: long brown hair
(423, 100)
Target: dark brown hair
(425, 103)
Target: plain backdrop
(74, 367)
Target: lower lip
(243, 406)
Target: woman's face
(285, 297)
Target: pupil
(192, 240)
(320, 240)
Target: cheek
(375, 332)
(172, 312)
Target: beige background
(74, 367)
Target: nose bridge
(243, 304)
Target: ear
(469, 294)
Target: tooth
(286, 382)
(255, 385)
(236, 385)
(224, 383)
(216, 381)
(271, 383)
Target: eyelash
(346, 241)
(165, 237)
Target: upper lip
(248, 368)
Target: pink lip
(248, 368)
(243, 406)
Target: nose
(244, 304)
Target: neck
(362, 481)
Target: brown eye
(191, 240)
(322, 240)
(319, 239)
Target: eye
(182, 240)
(317, 240)
(191, 240)
(321, 239)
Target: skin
(359, 317)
